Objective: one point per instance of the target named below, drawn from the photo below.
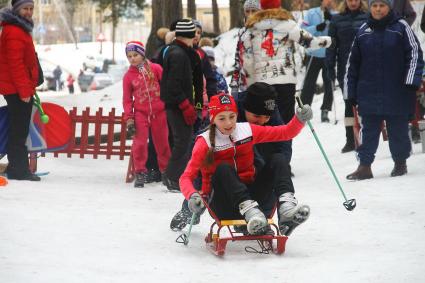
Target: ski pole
(333, 100)
(348, 204)
(43, 117)
(184, 237)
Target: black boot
(363, 172)
(154, 175)
(324, 117)
(171, 185)
(17, 175)
(349, 145)
(400, 168)
(140, 181)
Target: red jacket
(236, 150)
(139, 89)
(18, 62)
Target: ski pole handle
(43, 117)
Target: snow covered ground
(83, 223)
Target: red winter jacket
(18, 62)
(236, 150)
(139, 90)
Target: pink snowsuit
(142, 103)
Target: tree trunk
(157, 22)
(173, 10)
(115, 20)
(236, 14)
(191, 9)
(216, 17)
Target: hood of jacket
(276, 14)
(9, 17)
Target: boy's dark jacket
(182, 76)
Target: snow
(83, 223)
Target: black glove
(327, 15)
(321, 27)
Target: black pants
(229, 191)
(19, 120)
(314, 65)
(182, 138)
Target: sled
(216, 241)
(43, 137)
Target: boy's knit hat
(270, 4)
(251, 5)
(197, 23)
(389, 3)
(219, 103)
(136, 46)
(18, 4)
(185, 28)
(260, 99)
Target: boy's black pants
(229, 191)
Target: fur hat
(135, 46)
(387, 2)
(18, 4)
(251, 5)
(219, 103)
(260, 99)
(185, 28)
(270, 4)
(161, 32)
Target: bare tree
(236, 14)
(3, 3)
(216, 17)
(157, 22)
(71, 7)
(191, 9)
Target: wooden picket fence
(109, 138)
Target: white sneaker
(253, 216)
(291, 214)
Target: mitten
(195, 203)
(189, 113)
(321, 26)
(305, 113)
(131, 129)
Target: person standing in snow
(19, 76)
(144, 110)
(268, 47)
(316, 21)
(342, 29)
(70, 83)
(224, 155)
(384, 71)
(181, 90)
(238, 80)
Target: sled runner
(216, 240)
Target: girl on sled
(225, 157)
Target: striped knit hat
(185, 28)
(135, 46)
(18, 4)
(251, 5)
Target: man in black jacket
(179, 79)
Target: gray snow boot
(290, 213)
(254, 217)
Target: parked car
(100, 81)
(84, 81)
(94, 63)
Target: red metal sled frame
(217, 243)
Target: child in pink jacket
(143, 110)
